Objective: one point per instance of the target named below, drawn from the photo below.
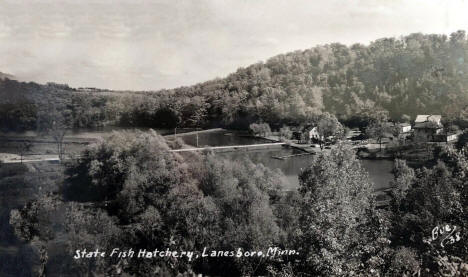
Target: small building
(448, 137)
(451, 137)
(427, 127)
(404, 128)
(313, 134)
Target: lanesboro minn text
(190, 255)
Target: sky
(149, 45)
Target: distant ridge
(396, 78)
(4, 76)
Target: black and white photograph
(229, 138)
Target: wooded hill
(401, 77)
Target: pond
(379, 170)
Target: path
(8, 158)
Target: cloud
(145, 44)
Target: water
(379, 170)
(221, 138)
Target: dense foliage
(424, 200)
(130, 191)
(416, 74)
(337, 216)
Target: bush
(260, 129)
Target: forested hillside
(414, 74)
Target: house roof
(404, 125)
(428, 121)
(428, 118)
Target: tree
(421, 139)
(160, 200)
(405, 262)
(397, 146)
(54, 123)
(148, 189)
(337, 206)
(168, 117)
(426, 201)
(328, 126)
(404, 177)
(242, 193)
(285, 133)
(378, 130)
(198, 109)
(23, 148)
(58, 131)
(462, 140)
(34, 224)
(260, 129)
(88, 229)
(433, 199)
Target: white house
(427, 127)
(313, 134)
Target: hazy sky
(143, 44)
